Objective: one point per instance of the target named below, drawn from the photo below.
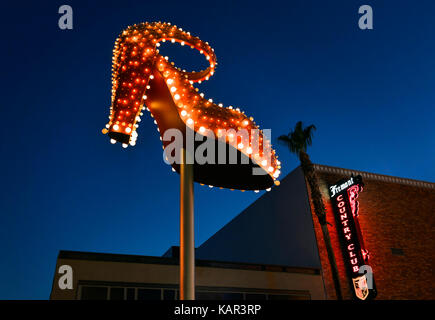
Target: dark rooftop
(110, 257)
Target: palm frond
(284, 139)
(308, 134)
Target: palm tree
(297, 142)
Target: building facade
(381, 229)
(100, 276)
(397, 220)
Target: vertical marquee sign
(343, 197)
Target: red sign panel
(344, 196)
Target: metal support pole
(187, 240)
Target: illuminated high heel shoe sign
(344, 196)
(142, 80)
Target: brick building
(274, 249)
(397, 219)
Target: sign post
(144, 80)
(187, 239)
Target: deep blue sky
(64, 186)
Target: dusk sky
(370, 94)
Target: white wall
(275, 229)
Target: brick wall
(392, 215)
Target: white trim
(374, 176)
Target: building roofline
(110, 257)
(374, 176)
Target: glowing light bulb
(177, 97)
(189, 122)
(128, 129)
(124, 145)
(264, 163)
(115, 127)
(112, 141)
(202, 129)
(183, 113)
